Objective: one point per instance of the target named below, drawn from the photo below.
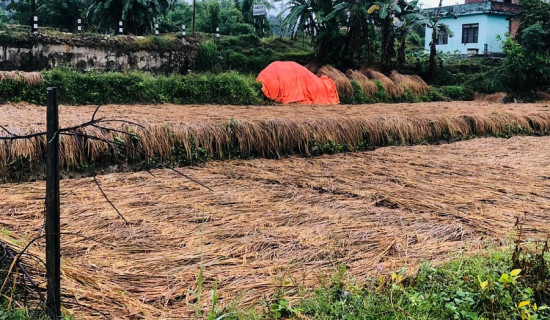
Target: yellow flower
(484, 284)
(515, 272)
(393, 276)
(535, 306)
(523, 303)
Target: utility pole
(53, 243)
(194, 10)
(33, 13)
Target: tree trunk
(433, 51)
(387, 41)
(401, 54)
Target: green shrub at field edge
(196, 88)
(481, 287)
(137, 87)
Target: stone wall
(109, 53)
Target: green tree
(409, 17)
(62, 14)
(179, 14)
(534, 12)
(21, 11)
(434, 23)
(360, 33)
(214, 16)
(300, 16)
(388, 9)
(526, 68)
(138, 16)
(3, 18)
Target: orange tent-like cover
(287, 82)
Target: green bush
(199, 88)
(434, 94)
(381, 95)
(498, 285)
(137, 87)
(18, 90)
(359, 97)
(208, 56)
(486, 82)
(457, 93)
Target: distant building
(477, 27)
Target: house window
(443, 38)
(470, 32)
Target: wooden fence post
(53, 245)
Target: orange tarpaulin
(287, 82)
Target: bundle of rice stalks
(366, 84)
(313, 66)
(343, 85)
(498, 97)
(31, 78)
(412, 82)
(9, 75)
(391, 88)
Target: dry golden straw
(343, 85)
(275, 225)
(391, 88)
(313, 66)
(31, 78)
(367, 85)
(273, 137)
(411, 82)
(498, 97)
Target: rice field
(25, 117)
(279, 225)
(183, 134)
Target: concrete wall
(39, 56)
(490, 25)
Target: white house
(477, 26)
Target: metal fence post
(53, 244)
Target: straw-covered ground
(27, 116)
(283, 224)
(189, 134)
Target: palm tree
(301, 16)
(138, 16)
(355, 16)
(409, 17)
(437, 28)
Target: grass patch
(137, 87)
(485, 286)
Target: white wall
(489, 27)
